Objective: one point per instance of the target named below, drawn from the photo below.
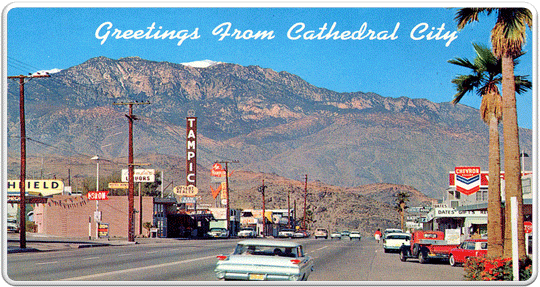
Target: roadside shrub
(497, 269)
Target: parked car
(468, 248)
(12, 225)
(265, 260)
(394, 241)
(301, 234)
(321, 233)
(335, 235)
(345, 233)
(218, 233)
(247, 232)
(390, 230)
(286, 233)
(355, 235)
(426, 245)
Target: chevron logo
(467, 179)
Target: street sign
(186, 199)
(98, 195)
(139, 175)
(97, 216)
(527, 226)
(103, 230)
(217, 170)
(116, 185)
(183, 190)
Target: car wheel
(422, 257)
(402, 256)
(452, 260)
(385, 250)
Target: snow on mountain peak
(201, 64)
(44, 72)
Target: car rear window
(398, 237)
(292, 252)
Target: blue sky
(403, 62)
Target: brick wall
(65, 215)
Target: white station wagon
(265, 260)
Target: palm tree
(486, 75)
(402, 198)
(507, 39)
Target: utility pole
(22, 199)
(305, 201)
(227, 193)
(261, 190)
(131, 218)
(289, 207)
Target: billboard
(36, 187)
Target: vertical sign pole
(22, 199)
(515, 256)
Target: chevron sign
(467, 179)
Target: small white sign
(139, 175)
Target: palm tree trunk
(402, 213)
(512, 166)
(495, 227)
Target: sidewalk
(42, 243)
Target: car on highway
(247, 232)
(12, 225)
(286, 233)
(394, 241)
(321, 233)
(301, 234)
(335, 235)
(355, 235)
(468, 248)
(218, 233)
(265, 260)
(345, 233)
(391, 230)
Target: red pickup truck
(426, 245)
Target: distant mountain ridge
(272, 122)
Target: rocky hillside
(271, 122)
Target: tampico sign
(191, 151)
(467, 179)
(139, 175)
(98, 195)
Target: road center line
(90, 258)
(125, 254)
(50, 262)
(136, 269)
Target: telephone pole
(227, 192)
(305, 200)
(22, 184)
(261, 190)
(131, 117)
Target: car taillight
(296, 261)
(222, 257)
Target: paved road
(194, 260)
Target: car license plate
(256, 276)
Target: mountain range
(270, 122)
